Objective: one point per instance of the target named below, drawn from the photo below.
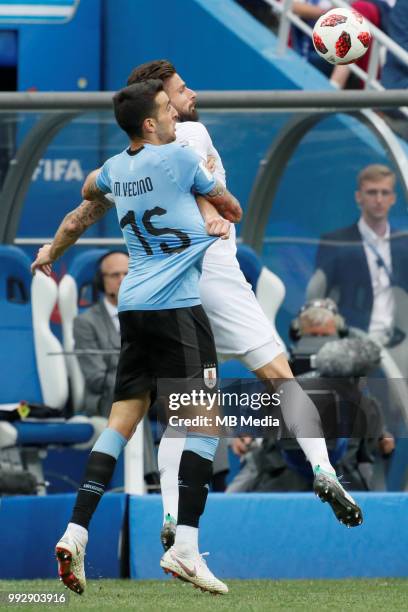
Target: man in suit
(98, 328)
(364, 267)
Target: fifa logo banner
(37, 11)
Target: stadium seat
(33, 369)
(68, 308)
(268, 288)
(19, 378)
(48, 350)
(28, 370)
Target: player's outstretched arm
(226, 204)
(71, 228)
(214, 223)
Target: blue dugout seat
(18, 368)
(29, 369)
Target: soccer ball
(341, 36)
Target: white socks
(186, 543)
(303, 421)
(169, 456)
(315, 450)
(78, 533)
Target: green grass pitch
(245, 595)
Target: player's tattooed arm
(76, 222)
(71, 228)
(226, 204)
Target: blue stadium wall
(30, 526)
(276, 536)
(281, 536)
(215, 45)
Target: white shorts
(240, 327)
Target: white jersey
(195, 135)
(240, 327)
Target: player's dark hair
(157, 69)
(135, 103)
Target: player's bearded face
(182, 98)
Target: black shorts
(162, 344)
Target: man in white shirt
(378, 253)
(241, 329)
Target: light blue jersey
(161, 223)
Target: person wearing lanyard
(359, 265)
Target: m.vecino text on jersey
(130, 189)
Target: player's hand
(217, 226)
(240, 446)
(43, 261)
(211, 163)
